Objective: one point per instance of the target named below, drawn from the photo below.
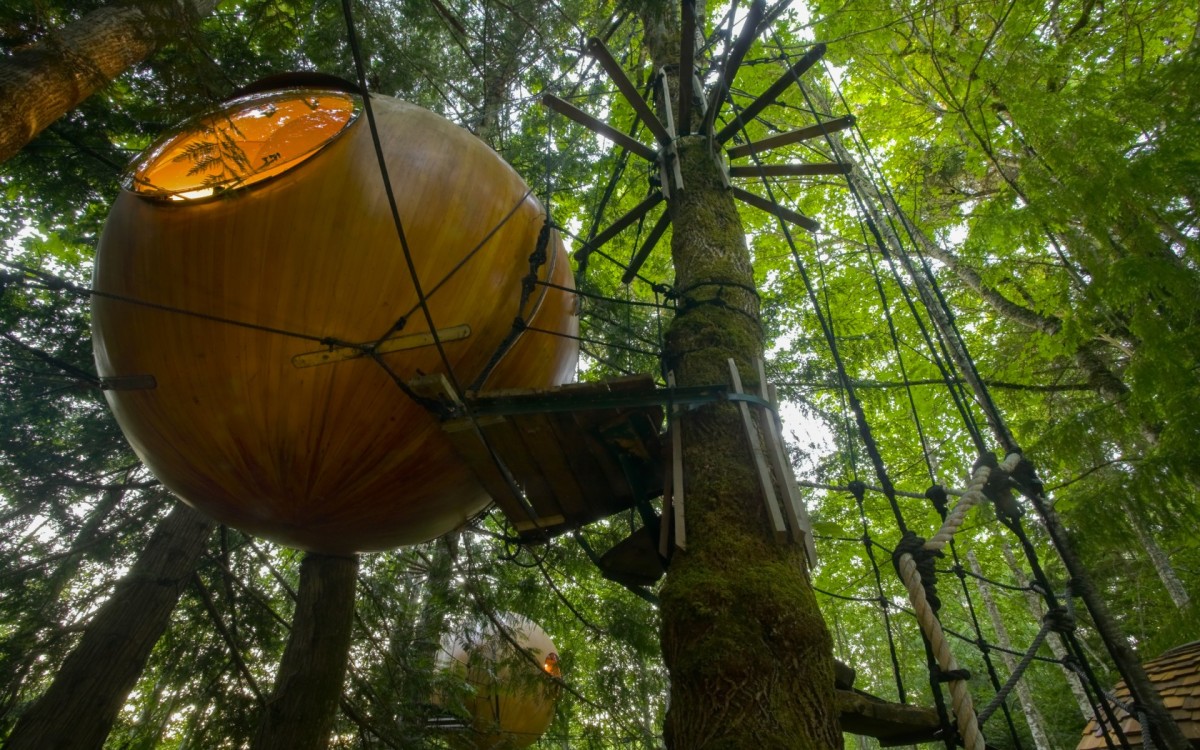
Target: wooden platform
(577, 453)
(558, 459)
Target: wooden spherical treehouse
(511, 691)
(256, 320)
(1176, 676)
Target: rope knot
(998, 488)
(914, 546)
(1025, 477)
(858, 489)
(950, 675)
(1060, 620)
(538, 256)
(941, 502)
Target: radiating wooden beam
(631, 216)
(794, 136)
(687, 65)
(600, 51)
(786, 214)
(790, 170)
(734, 61)
(599, 127)
(647, 247)
(771, 94)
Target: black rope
(537, 259)
(858, 490)
(57, 283)
(601, 297)
(585, 340)
(462, 262)
(881, 245)
(360, 68)
(1095, 690)
(864, 427)
(841, 383)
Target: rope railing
(925, 605)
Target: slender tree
(300, 713)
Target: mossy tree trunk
(302, 708)
(749, 655)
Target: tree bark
(749, 656)
(78, 710)
(45, 80)
(301, 710)
(1033, 717)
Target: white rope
(960, 696)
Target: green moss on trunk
(749, 655)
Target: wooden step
(635, 560)
(891, 723)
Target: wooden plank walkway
(574, 456)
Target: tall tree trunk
(78, 710)
(1033, 717)
(42, 82)
(749, 656)
(301, 710)
(1158, 556)
(21, 650)
(1056, 647)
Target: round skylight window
(246, 141)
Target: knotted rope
(925, 602)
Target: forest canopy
(1036, 163)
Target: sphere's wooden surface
(333, 458)
(513, 701)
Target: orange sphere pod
(510, 702)
(256, 320)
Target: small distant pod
(511, 696)
(256, 320)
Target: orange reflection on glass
(247, 141)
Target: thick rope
(931, 627)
